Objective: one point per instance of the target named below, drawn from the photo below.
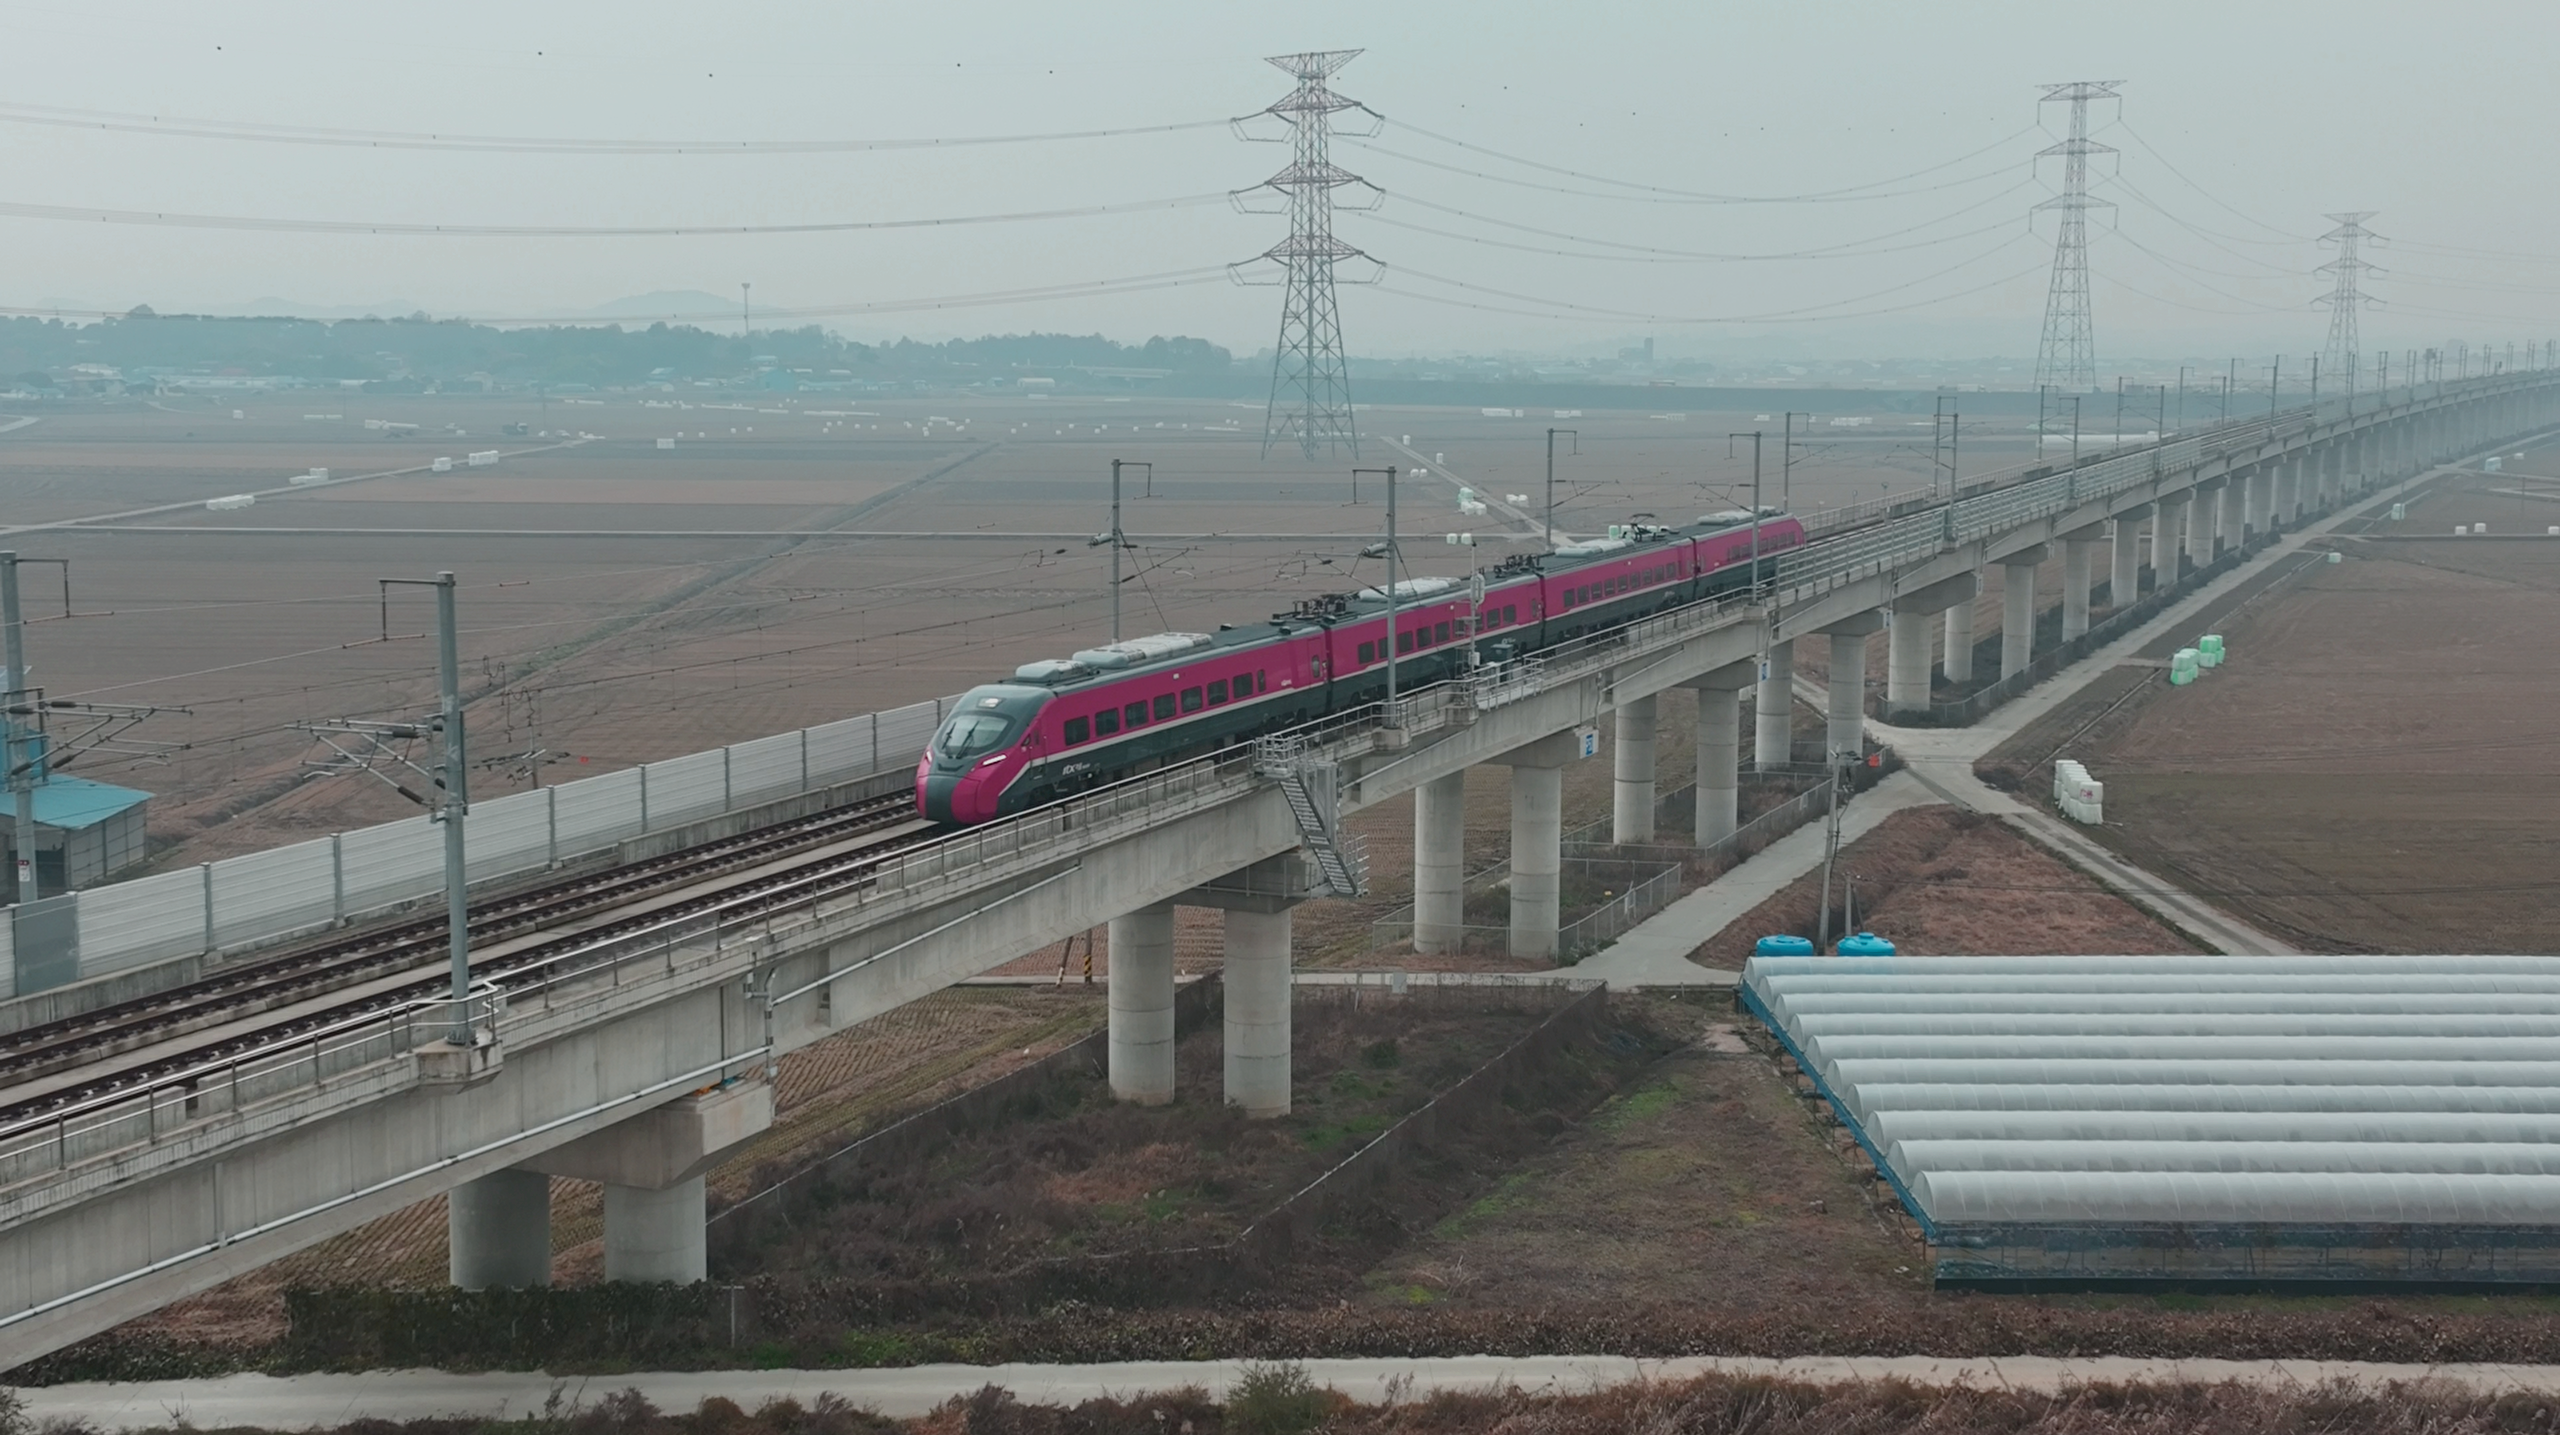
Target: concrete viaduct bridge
(638, 1060)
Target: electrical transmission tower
(2067, 357)
(1310, 387)
(2345, 273)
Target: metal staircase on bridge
(1309, 782)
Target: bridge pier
(652, 1236)
(2124, 571)
(1537, 843)
(2202, 504)
(1440, 863)
(1631, 817)
(2168, 540)
(1256, 901)
(1847, 729)
(1774, 709)
(2018, 609)
(1915, 617)
(2257, 502)
(1257, 1011)
(2289, 506)
(1141, 1000)
(651, 1167)
(1720, 750)
(498, 1230)
(1958, 664)
(2331, 484)
(2234, 526)
(2079, 557)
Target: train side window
(1191, 700)
(1217, 692)
(1107, 721)
(1164, 706)
(1136, 714)
(1078, 730)
(1262, 682)
(1368, 653)
(1440, 633)
(1510, 614)
(1404, 641)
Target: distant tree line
(421, 350)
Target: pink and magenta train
(1060, 727)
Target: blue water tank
(1782, 947)
(1865, 944)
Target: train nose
(938, 796)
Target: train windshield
(970, 734)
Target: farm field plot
(1941, 881)
(2374, 769)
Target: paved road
(304, 1401)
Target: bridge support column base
(1846, 730)
(1537, 860)
(1141, 996)
(1774, 709)
(1257, 1012)
(1537, 842)
(1439, 864)
(1719, 751)
(2077, 562)
(1631, 816)
(1906, 683)
(1958, 665)
(2018, 612)
(499, 1228)
(652, 1236)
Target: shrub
(1274, 1399)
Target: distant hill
(674, 306)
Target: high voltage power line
(165, 219)
(172, 127)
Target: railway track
(507, 931)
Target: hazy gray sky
(2439, 117)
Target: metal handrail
(429, 1018)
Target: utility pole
(2275, 381)
(2067, 356)
(453, 781)
(1310, 383)
(1551, 479)
(1830, 848)
(2118, 440)
(746, 320)
(19, 754)
(1787, 458)
(1754, 436)
(1943, 432)
(1117, 538)
(2182, 398)
(1388, 550)
(2230, 382)
(2315, 386)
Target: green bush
(1275, 1399)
